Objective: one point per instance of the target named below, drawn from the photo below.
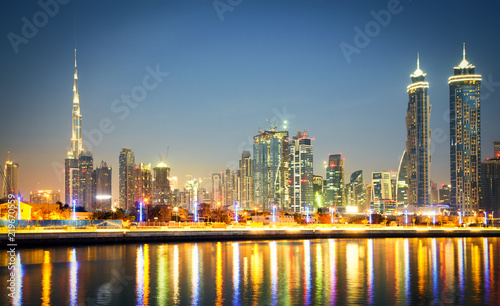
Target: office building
(161, 184)
(246, 180)
(318, 191)
(11, 178)
(465, 137)
(357, 191)
(217, 198)
(418, 139)
(334, 193)
(402, 184)
(490, 183)
(271, 169)
(301, 172)
(86, 196)
(102, 179)
(445, 194)
(143, 183)
(45, 197)
(381, 191)
(126, 179)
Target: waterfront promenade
(72, 236)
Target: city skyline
(187, 135)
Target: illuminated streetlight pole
(370, 214)
(236, 212)
(485, 218)
(140, 211)
(274, 213)
(74, 213)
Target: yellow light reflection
(175, 273)
(319, 274)
(46, 276)
(422, 267)
(352, 271)
(256, 271)
(218, 275)
(162, 275)
(146, 274)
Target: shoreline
(86, 237)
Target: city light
(140, 211)
(236, 212)
(74, 210)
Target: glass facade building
(271, 169)
(126, 179)
(465, 137)
(86, 196)
(418, 139)
(246, 180)
(402, 184)
(102, 180)
(334, 193)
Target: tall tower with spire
(76, 122)
(418, 138)
(465, 137)
(71, 164)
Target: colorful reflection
(18, 269)
(307, 272)
(371, 275)
(73, 278)
(175, 274)
(333, 271)
(274, 272)
(46, 278)
(162, 275)
(236, 273)
(139, 275)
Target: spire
(76, 136)
(418, 72)
(464, 63)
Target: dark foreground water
(433, 271)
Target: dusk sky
(229, 71)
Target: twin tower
(465, 138)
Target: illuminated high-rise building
(71, 167)
(246, 180)
(230, 187)
(271, 169)
(445, 194)
(496, 149)
(102, 178)
(126, 179)
(381, 190)
(418, 139)
(86, 196)
(161, 184)
(318, 191)
(301, 172)
(11, 177)
(142, 183)
(357, 191)
(217, 198)
(465, 137)
(45, 197)
(402, 184)
(334, 193)
(490, 182)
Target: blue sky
(225, 77)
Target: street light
(74, 212)
(195, 212)
(236, 212)
(140, 211)
(274, 213)
(370, 213)
(485, 218)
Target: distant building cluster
(279, 174)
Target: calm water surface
(430, 271)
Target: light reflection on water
(310, 272)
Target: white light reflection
(371, 275)
(236, 274)
(333, 273)
(162, 276)
(435, 275)
(18, 268)
(487, 279)
(195, 277)
(307, 272)
(461, 277)
(274, 272)
(73, 279)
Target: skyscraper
(465, 137)
(246, 180)
(334, 194)
(496, 149)
(142, 183)
(102, 176)
(10, 183)
(318, 191)
(402, 184)
(357, 191)
(85, 181)
(301, 172)
(381, 190)
(418, 138)
(230, 187)
(216, 189)
(71, 167)
(126, 177)
(161, 184)
(271, 169)
(490, 182)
